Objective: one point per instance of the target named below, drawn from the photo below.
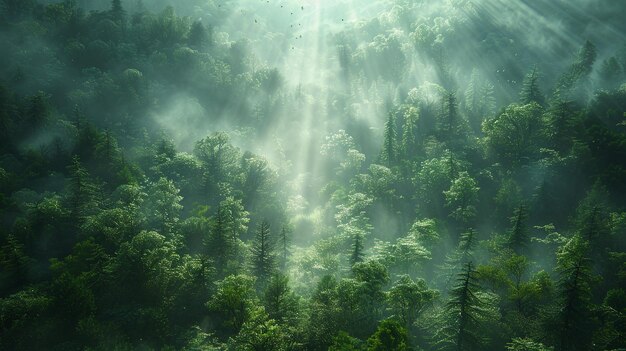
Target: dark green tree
(281, 304)
(390, 147)
(518, 236)
(573, 327)
(220, 245)
(463, 313)
(530, 88)
(390, 336)
(285, 246)
(117, 12)
(82, 198)
(263, 256)
(200, 36)
(356, 255)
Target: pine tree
(449, 119)
(463, 312)
(560, 125)
(409, 137)
(389, 146)
(263, 258)
(82, 198)
(466, 246)
(530, 88)
(199, 36)
(285, 243)
(117, 11)
(357, 250)
(518, 237)
(573, 316)
(219, 245)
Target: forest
(278, 175)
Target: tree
(263, 256)
(409, 134)
(220, 245)
(281, 304)
(449, 119)
(233, 302)
(390, 148)
(200, 36)
(117, 11)
(235, 217)
(560, 126)
(357, 249)
(14, 264)
(514, 136)
(324, 314)
(390, 336)
(530, 88)
(285, 245)
(573, 317)
(518, 237)
(38, 111)
(461, 197)
(164, 206)
(463, 314)
(82, 196)
(407, 299)
(261, 333)
(580, 68)
(218, 159)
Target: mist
(313, 175)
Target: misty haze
(272, 175)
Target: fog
(313, 175)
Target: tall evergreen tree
(357, 249)
(389, 152)
(219, 244)
(117, 11)
(573, 317)
(530, 88)
(285, 244)
(82, 192)
(518, 236)
(263, 256)
(409, 135)
(463, 312)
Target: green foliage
(233, 302)
(514, 136)
(525, 344)
(408, 299)
(390, 335)
(461, 197)
(530, 89)
(464, 312)
(390, 147)
(263, 255)
(143, 156)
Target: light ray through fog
(300, 38)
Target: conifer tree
(357, 250)
(389, 145)
(263, 256)
(463, 313)
(82, 197)
(117, 11)
(518, 237)
(219, 244)
(530, 88)
(285, 243)
(573, 317)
